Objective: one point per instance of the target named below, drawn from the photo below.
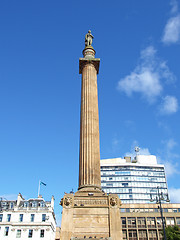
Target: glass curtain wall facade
(135, 180)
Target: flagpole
(39, 188)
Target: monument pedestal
(91, 214)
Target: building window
(25, 204)
(122, 209)
(178, 221)
(18, 233)
(32, 218)
(43, 217)
(151, 222)
(1, 217)
(132, 235)
(130, 190)
(152, 234)
(21, 217)
(42, 233)
(159, 222)
(109, 184)
(125, 184)
(34, 204)
(30, 233)
(11, 205)
(6, 231)
(170, 221)
(141, 222)
(124, 234)
(142, 234)
(123, 219)
(8, 217)
(132, 222)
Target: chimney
(128, 159)
(19, 199)
(52, 202)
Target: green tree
(172, 233)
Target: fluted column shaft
(89, 159)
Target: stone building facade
(27, 219)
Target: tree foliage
(172, 233)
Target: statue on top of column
(88, 39)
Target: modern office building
(133, 180)
(143, 221)
(25, 219)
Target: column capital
(83, 62)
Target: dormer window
(11, 205)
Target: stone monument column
(89, 157)
(90, 213)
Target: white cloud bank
(169, 105)
(169, 158)
(174, 6)
(147, 77)
(172, 29)
(174, 195)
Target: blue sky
(138, 83)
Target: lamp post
(160, 197)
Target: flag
(43, 183)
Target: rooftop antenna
(137, 149)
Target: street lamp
(160, 197)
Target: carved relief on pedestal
(67, 201)
(114, 200)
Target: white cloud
(171, 144)
(174, 195)
(169, 157)
(169, 105)
(172, 30)
(146, 77)
(174, 5)
(170, 168)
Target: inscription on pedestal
(89, 202)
